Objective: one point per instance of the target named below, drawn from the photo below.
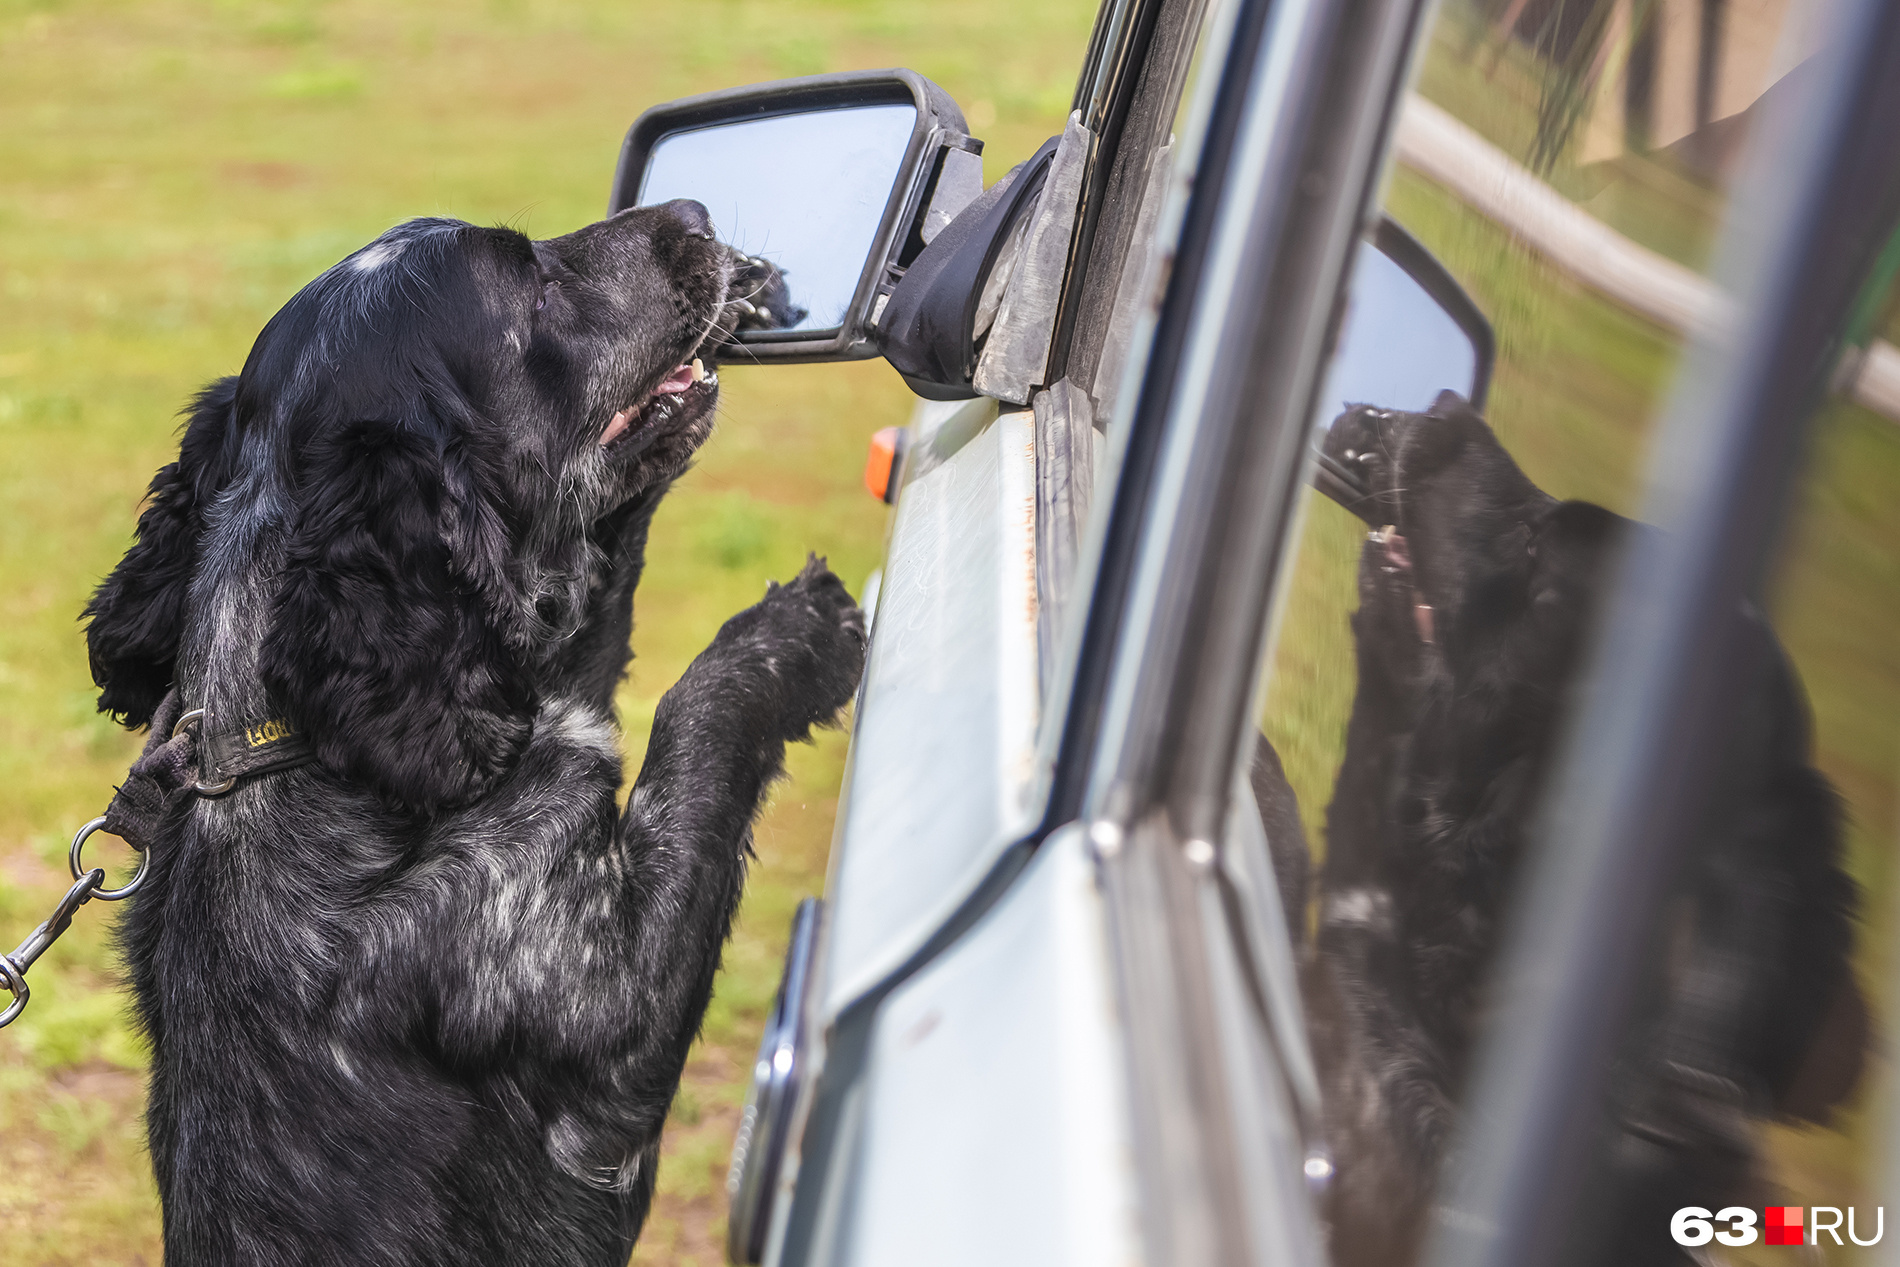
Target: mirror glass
(805, 192)
(1397, 347)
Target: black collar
(259, 747)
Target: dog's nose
(693, 215)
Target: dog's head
(1485, 555)
(387, 523)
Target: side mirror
(1410, 332)
(837, 181)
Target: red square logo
(1783, 1224)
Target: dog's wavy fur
(1751, 1009)
(428, 1000)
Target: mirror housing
(928, 331)
(938, 174)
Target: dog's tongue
(682, 377)
(1398, 556)
(1397, 552)
(678, 381)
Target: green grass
(173, 171)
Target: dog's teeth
(616, 427)
(766, 313)
(744, 306)
(699, 370)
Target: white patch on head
(356, 289)
(377, 254)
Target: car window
(1575, 168)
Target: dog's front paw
(809, 634)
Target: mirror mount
(939, 175)
(928, 330)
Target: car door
(1226, 556)
(950, 753)
(1091, 1046)
(947, 768)
(970, 1088)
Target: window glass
(1834, 601)
(1571, 166)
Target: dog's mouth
(1396, 561)
(686, 391)
(1398, 553)
(1354, 461)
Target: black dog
(426, 999)
(1476, 600)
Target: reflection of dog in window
(427, 998)
(1476, 600)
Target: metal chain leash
(87, 885)
(162, 779)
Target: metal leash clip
(86, 886)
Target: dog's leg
(773, 672)
(1279, 808)
(566, 959)
(1386, 1092)
(1385, 710)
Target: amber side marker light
(884, 466)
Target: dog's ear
(381, 647)
(137, 615)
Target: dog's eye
(547, 288)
